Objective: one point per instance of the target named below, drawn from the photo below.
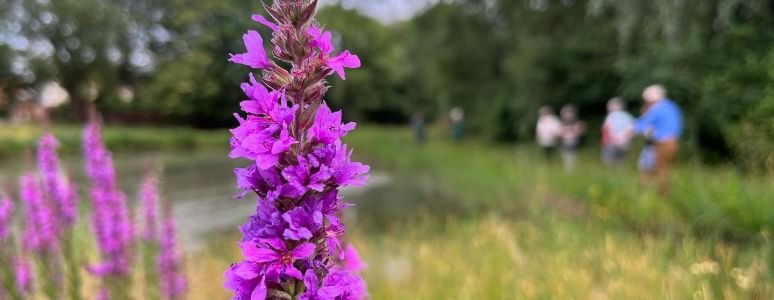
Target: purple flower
(338, 284)
(261, 102)
(40, 232)
(173, 282)
(266, 223)
(110, 217)
(303, 178)
(56, 189)
(275, 255)
(321, 40)
(261, 19)
(255, 57)
(302, 223)
(6, 212)
(23, 274)
(68, 208)
(346, 172)
(351, 259)
(298, 165)
(315, 292)
(245, 279)
(149, 199)
(263, 147)
(352, 286)
(327, 127)
(343, 60)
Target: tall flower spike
(59, 192)
(173, 282)
(112, 227)
(40, 232)
(149, 199)
(291, 246)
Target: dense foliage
(500, 60)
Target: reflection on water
(201, 184)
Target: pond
(201, 185)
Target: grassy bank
(18, 139)
(475, 221)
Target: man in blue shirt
(662, 123)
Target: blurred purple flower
(56, 188)
(351, 259)
(40, 232)
(149, 201)
(173, 282)
(23, 274)
(112, 227)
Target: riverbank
(16, 140)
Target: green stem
(73, 260)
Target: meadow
(476, 220)
(482, 221)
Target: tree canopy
(499, 60)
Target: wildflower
(292, 244)
(40, 234)
(110, 218)
(56, 188)
(255, 56)
(173, 282)
(149, 199)
(351, 259)
(24, 279)
(279, 260)
(344, 60)
(327, 127)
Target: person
(547, 131)
(457, 116)
(663, 123)
(418, 127)
(571, 133)
(617, 132)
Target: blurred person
(548, 130)
(457, 116)
(418, 127)
(662, 123)
(571, 133)
(617, 133)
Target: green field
(481, 221)
(476, 221)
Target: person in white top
(617, 133)
(548, 130)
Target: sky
(387, 11)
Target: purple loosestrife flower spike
(6, 212)
(56, 188)
(24, 279)
(110, 218)
(173, 282)
(149, 201)
(40, 232)
(291, 246)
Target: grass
(17, 140)
(477, 221)
(482, 221)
